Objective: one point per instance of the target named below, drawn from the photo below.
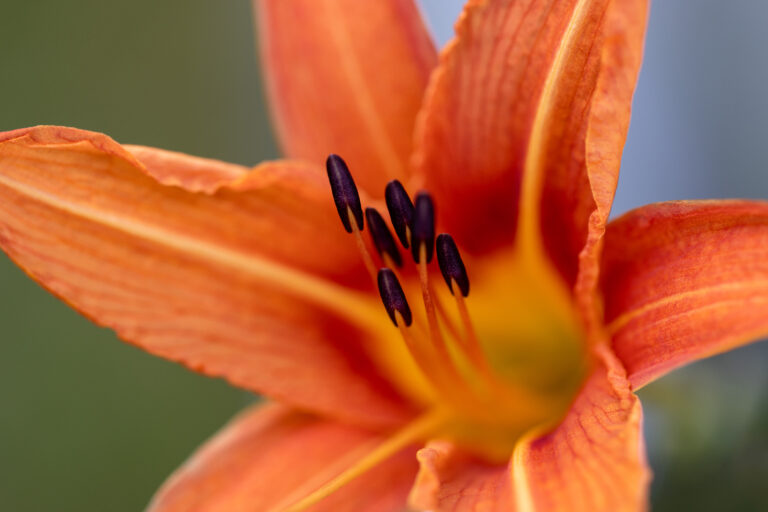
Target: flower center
(507, 361)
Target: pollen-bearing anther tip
(423, 227)
(451, 264)
(400, 210)
(382, 237)
(393, 297)
(344, 192)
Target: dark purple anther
(344, 192)
(382, 238)
(393, 297)
(451, 265)
(423, 226)
(400, 210)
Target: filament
(361, 247)
(470, 342)
(421, 355)
(434, 328)
(443, 315)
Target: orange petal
(595, 460)
(270, 457)
(189, 172)
(683, 281)
(346, 77)
(540, 86)
(235, 283)
(450, 481)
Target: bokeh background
(88, 423)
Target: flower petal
(595, 460)
(685, 280)
(535, 88)
(451, 481)
(270, 457)
(234, 283)
(346, 77)
(189, 172)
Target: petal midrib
(348, 304)
(738, 286)
(529, 238)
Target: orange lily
(517, 397)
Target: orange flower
(518, 396)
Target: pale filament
(361, 247)
(470, 342)
(439, 345)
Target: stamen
(400, 211)
(429, 306)
(344, 192)
(469, 343)
(393, 297)
(451, 264)
(415, 227)
(422, 246)
(455, 275)
(434, 364)
(382, 237)
(423, 236)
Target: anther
(344, 192)
(382, 238)
(400, 210)
(423, 227)
(451, 265)
(393, 297)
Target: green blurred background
(88, 423)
